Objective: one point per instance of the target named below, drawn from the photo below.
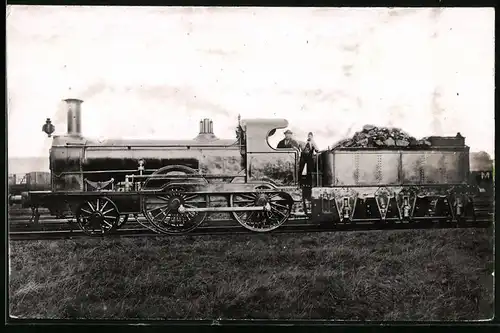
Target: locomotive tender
(173, 183)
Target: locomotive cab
(263, 162)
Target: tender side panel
(432, 167)
(376, 168)
(366, 168)
(412, 170)
(391, 166)
(346, 171)
(279, 167)
(444, 167)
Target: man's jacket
(309, 147)
(288, 144)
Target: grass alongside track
(388, 275)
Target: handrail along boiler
(173, 183)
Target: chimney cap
(67, 100)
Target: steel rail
(48, 219)
(58, 225)
(228, 230)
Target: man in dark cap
(288, 141)
(307, 149)
(307, 152)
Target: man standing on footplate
(307, 151)
(288, 141)
(307, 155)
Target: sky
(153, 72)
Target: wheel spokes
(249, 196)
(96, 218)
(109, 210)
(108, 224)
(86, 211)
(104, 206)
(190, 197)
(162, 210)
(170, 220)
(275, 204)
(280, 209)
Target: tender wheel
(280, 208)
(97, 216)
(162, 211)
(122, 221)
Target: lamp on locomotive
(48, 127)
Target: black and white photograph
(250, 163)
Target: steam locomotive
(173, 183)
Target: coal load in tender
(383, 138)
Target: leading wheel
(280, 204)
(97, 216)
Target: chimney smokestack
(74, 116)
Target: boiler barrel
(111, 160)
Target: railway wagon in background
(173, 183)
(31, 181)
(481, 167)
(484, 181)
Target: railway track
(50, 228)
(48, 223)
(214, 230)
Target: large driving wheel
(97, 216)
(280, 208)
(162, 210)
